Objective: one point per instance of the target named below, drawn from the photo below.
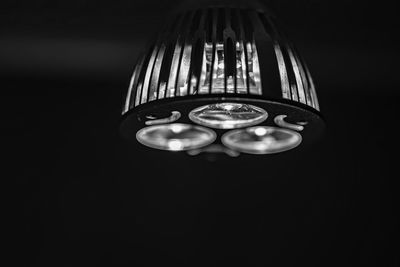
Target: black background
(86, 197)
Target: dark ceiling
(85, 196)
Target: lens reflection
(175, 137)
(262, 140)
(228, 115)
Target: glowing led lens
(175, 137)
(261, 140)
(228, 115)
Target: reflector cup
(175, 137)
(228, 115)
(261, 140)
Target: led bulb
(175, 137)
(223, 66)
(262, 140)
(228, 115)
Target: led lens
(175, 137)
(228, 115)
(261, 140)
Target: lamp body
(221, 54)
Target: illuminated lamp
(222, 78)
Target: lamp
(222, 75)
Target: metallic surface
(221, 50)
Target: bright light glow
(229, 107)
(261, 140)
(175, 137)
(260, 131)
(177, 128)
(228, 115)
(175, 145)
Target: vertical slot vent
(303, 76)
(299, 82)
(149, 71)
(285, 85)
(196, 66)
(174, 69)
(221, 51)
(156, 74)
(132, 90)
